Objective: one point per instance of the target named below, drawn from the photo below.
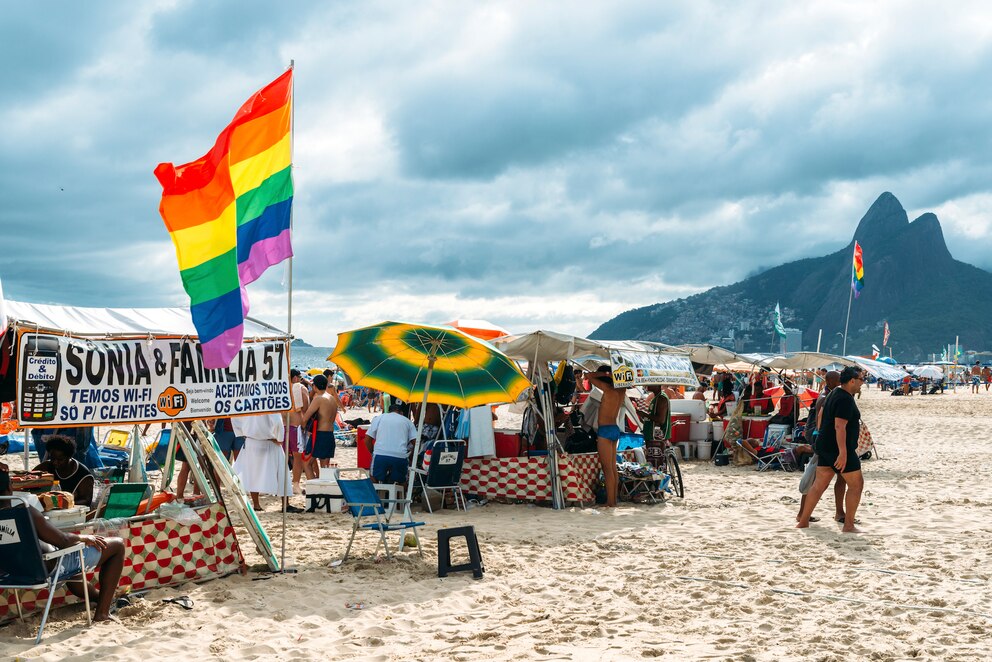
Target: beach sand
(722, 575)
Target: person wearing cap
(836, 449)
(388, 439)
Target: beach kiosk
(558, 477)
(127, 366)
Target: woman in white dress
(262, 464)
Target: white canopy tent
(805, 361)
(879, 370)
(707, 354)
(113, 322)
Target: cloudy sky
(540, 165)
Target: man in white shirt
(388, 439)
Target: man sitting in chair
(107, 554)
(388, 439)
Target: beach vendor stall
(123, 367)
(552, 474)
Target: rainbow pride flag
(858, 271)
(228, 214)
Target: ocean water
(310, 357)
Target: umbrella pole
(420, 429)
(557, 498)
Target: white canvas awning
(545, 346)
(805, 361)
(711, 354)
(108, 322)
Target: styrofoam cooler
(328, 486)
(700, 430)
(65, 516)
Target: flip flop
(840, 520)
(183, 601)
(814, 519)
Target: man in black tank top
(836, 448)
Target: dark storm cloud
(626, 153)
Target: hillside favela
(495, 331)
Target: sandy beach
(722, 575)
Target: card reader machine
(40, 376)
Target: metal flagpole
(289, 328)
(850, 298)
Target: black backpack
(566, 388)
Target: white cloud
(532, 164)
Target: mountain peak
(884, 219)
(912, 282)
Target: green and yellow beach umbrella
(417, 362)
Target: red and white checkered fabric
(528, 478)
(865, 442)
(157, 553)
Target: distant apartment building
(792, 342)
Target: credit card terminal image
(42, 372)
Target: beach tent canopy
(878, 369)
(110, 322)
(544, 346)
(805, 361)
(707, 354)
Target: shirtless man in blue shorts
(607, 431)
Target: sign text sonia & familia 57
(66, 381)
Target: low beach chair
(157, 451)
(117, 439)
(123, 499)
(776, 457)
(369, 514)
(22, 565)
(444, 471)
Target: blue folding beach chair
(22, 565)
(159, 454)
(365, 505)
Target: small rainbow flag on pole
(858, 272)
(229, 214)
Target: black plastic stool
(444, 566)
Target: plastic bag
(178, 512)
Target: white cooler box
(65, 516)
(700, 430)
(695, 408)
(325, 487)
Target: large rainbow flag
(228, 214)
(858, 271)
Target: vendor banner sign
(632, 368)
(65, 381)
